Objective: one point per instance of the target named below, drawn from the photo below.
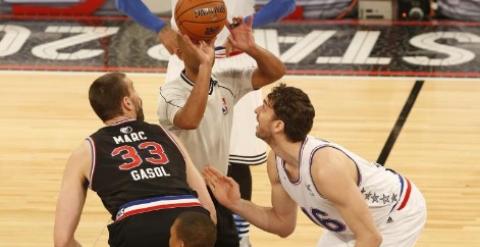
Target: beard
(263, 135)
(139, 110)
(140, 115)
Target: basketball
(200, 19)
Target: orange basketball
(200, 19)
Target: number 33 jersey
(382, 189)
(135, 160)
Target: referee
(198, 105)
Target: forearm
(69, 243)
(191, 114)
(264, 218)
(138, 11)
(372, 240)
(269, 66)
(273, 11)
(196, 182)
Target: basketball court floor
(419, 111)
(45, 115)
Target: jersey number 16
(319, 217)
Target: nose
(256, 109)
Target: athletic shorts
(134, 228)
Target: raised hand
(204, 51)
(241, 33)
(167, 36)
(224, 188)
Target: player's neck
(288, 151)
(118, 120)
(191, 74)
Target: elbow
(280, 72)
(373, 239)
(285, 232)
(377, 239)
(62, 241)
(187, 125)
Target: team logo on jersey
(126, 130)
(224, 106)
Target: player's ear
(278, 126)
(127, 103)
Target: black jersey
(135, 160)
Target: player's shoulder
(272, 164)
(81, 156)
(176, 82)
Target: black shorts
(227, 235)
(151, 229)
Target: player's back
(135, 160)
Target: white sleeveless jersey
(234, 8)
(381, 188)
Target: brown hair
(293, 107)
(106, 94)
(196, 229)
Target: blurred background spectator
(321, 9)
(465, 10)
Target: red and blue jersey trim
(405, 190)
(156, 203)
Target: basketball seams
(178, 15)
(200, 19)
(200, 22)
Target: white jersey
(207, 144)
(245, 147)
(383, 189)
(234, 8)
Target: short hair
(293, 107)
(196, 229)
(106, 94)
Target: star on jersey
(394, 197)
(375, 197)
(368, 195)
(385, 198)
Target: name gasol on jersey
(149, 173)
(130, 137)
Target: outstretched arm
(273, 11)
(279, 219)
(139, 12)
(72, 197)
(332, 172)
(269, 67)
(191, 114)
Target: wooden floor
(45, 115)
